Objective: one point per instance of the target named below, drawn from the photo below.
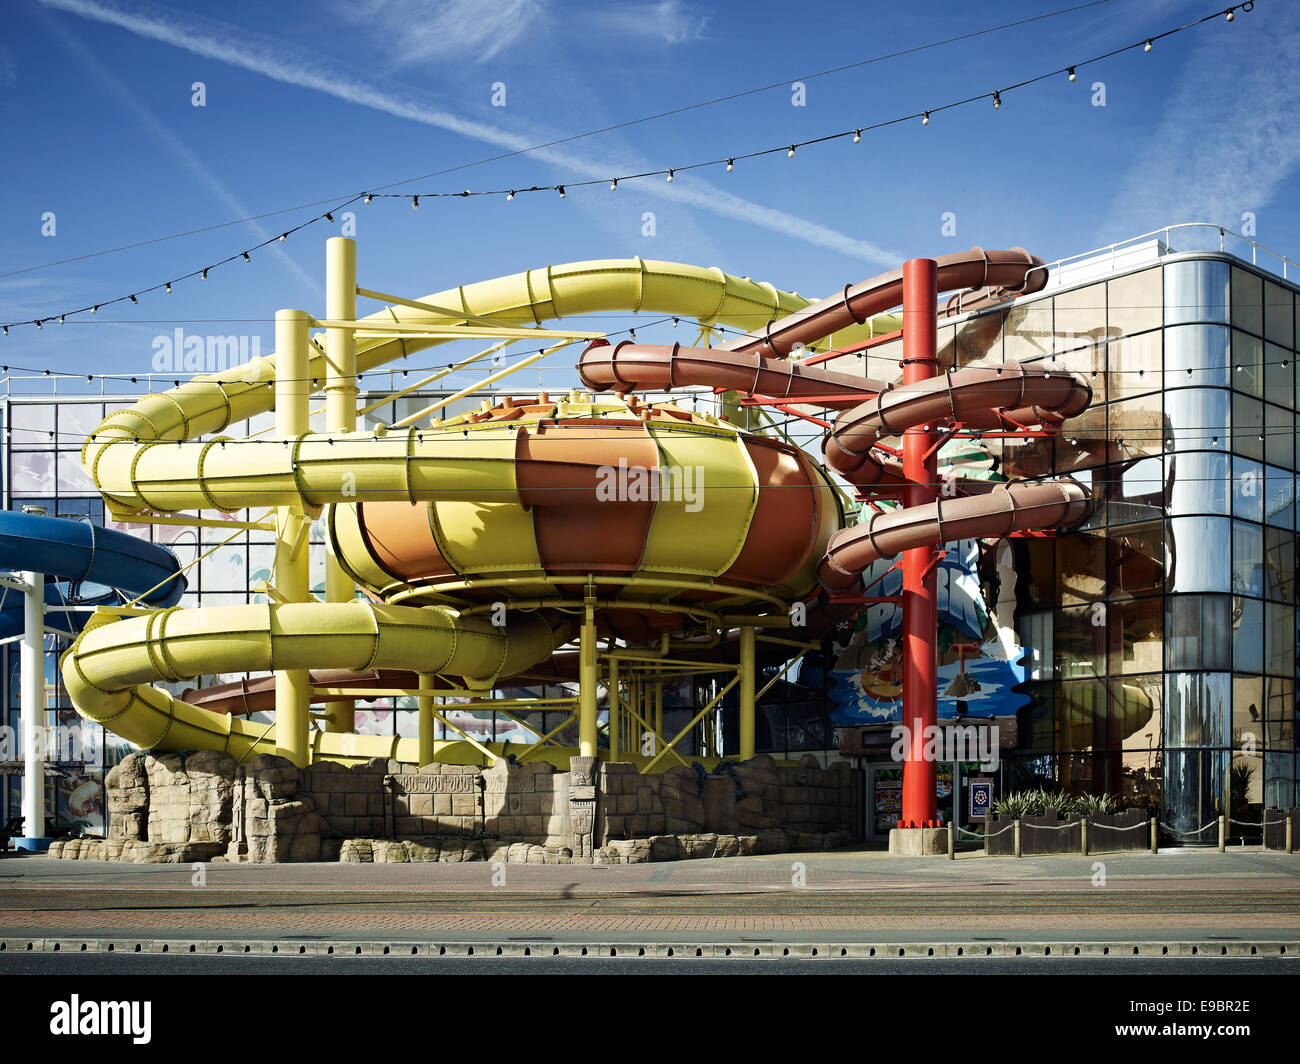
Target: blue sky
(314, 101)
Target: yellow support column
(587, 681)
(746, 693)
(426, 720)
(615, 713)
(340, 417)
(292, 709)
(659, 712)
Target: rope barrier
(1175, 831)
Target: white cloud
(230, 45)
(1229, 135)
(414, 31)
(669, 20)
(8, 69)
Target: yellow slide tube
(110, 668)
(148, 457)
(209, 403)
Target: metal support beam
(341, 416)
(587, 731)
(747, 658)
(615, 715)
(425, 719)
(32, 702)
(292, 709)
(920, 598)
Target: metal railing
(1219, 235)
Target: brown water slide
(630, 367)
(994, 275)
(977, 396)
(1007, 508)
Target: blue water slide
(78, 557)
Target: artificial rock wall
(205, 806)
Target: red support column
(920, 598)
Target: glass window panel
(1197, 708)
(1197, 418)
(1247, 635)
(1279, 315)
(1196, 291)
(1247, 489)
(1079, 642)
(77, 421)
(978, 338)
(1247, 427)
(1247, 711)
(1279, 436)
(1082, 715)
(1279, 376)
(880, 363)
(1279, 713)
(1136, 428)
(1136, 631)
(1198, 632)
(1197, 356)
(1135, 702)
(1137, 559)
(1195, 550)
(72, 478)
(32, 424)
(1080, 568)
(1036, 587)
(1194, 790)
(1027, 456)
(1135, 303)
(1247, 301)
(1134, 492)
(1080, 317)
(1035, 630)
(31, 473)
(1088, 361)
(1279, 564)
(1082, 442)
(946, 344)
(1028, 330)
(225, 569)
(1279, 497)
(1247, 559)
(1248, 364)
(1279, 641)
(1198, 482)
(1037, 721)
(1279, 781)
(1134, 364)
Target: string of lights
(670, 173)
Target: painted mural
(981, 662)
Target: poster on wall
(981, 661)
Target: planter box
(1049, 834)
(1275, 828)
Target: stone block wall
(205, 806)
(754, 796)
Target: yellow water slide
(159, 457)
